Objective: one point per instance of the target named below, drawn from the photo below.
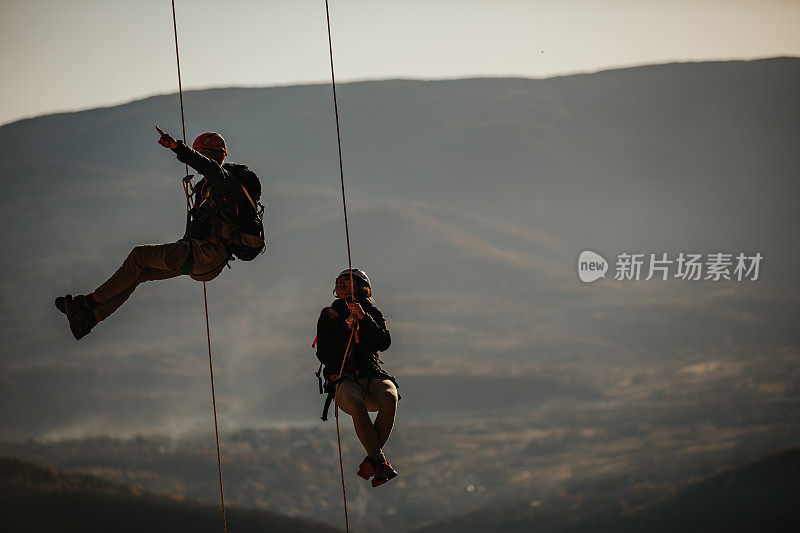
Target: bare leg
(351, 399)
(382, 397)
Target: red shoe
(365, 469)
(383, 473)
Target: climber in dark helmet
(225, 222)
(356, 381)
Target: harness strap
(248, 197)
(319, 377)
(187, 186)
(329, 398)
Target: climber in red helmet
(224, 222)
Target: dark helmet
(210, 140)
(357, 274)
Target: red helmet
(210, 140)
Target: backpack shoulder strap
(237, 171)
(248, 196)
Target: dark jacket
(333, 335)
(215, 194)
(210, 170)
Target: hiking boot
(383, 473)
(61, 302)
(365, 469)
(79, 314)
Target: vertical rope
(180, 94)
(205, 295)
(339, 143)
(349, 260)
(214, 406)
(341, 468)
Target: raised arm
(203, 165)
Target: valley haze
(469, 203)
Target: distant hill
(761, 496)
(434, 394)
(468, 202)
(37, 499)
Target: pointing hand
(166, 140)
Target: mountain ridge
(40, 498)
(469, 202)
(759, 495)
(399, 79)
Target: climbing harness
(186, 188)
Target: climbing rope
(349, 262)
(336, 416)
(180, 94)
(186, 187)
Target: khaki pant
(150, 262)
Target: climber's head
(212, 145)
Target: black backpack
(245, 213)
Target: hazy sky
(58, 55)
